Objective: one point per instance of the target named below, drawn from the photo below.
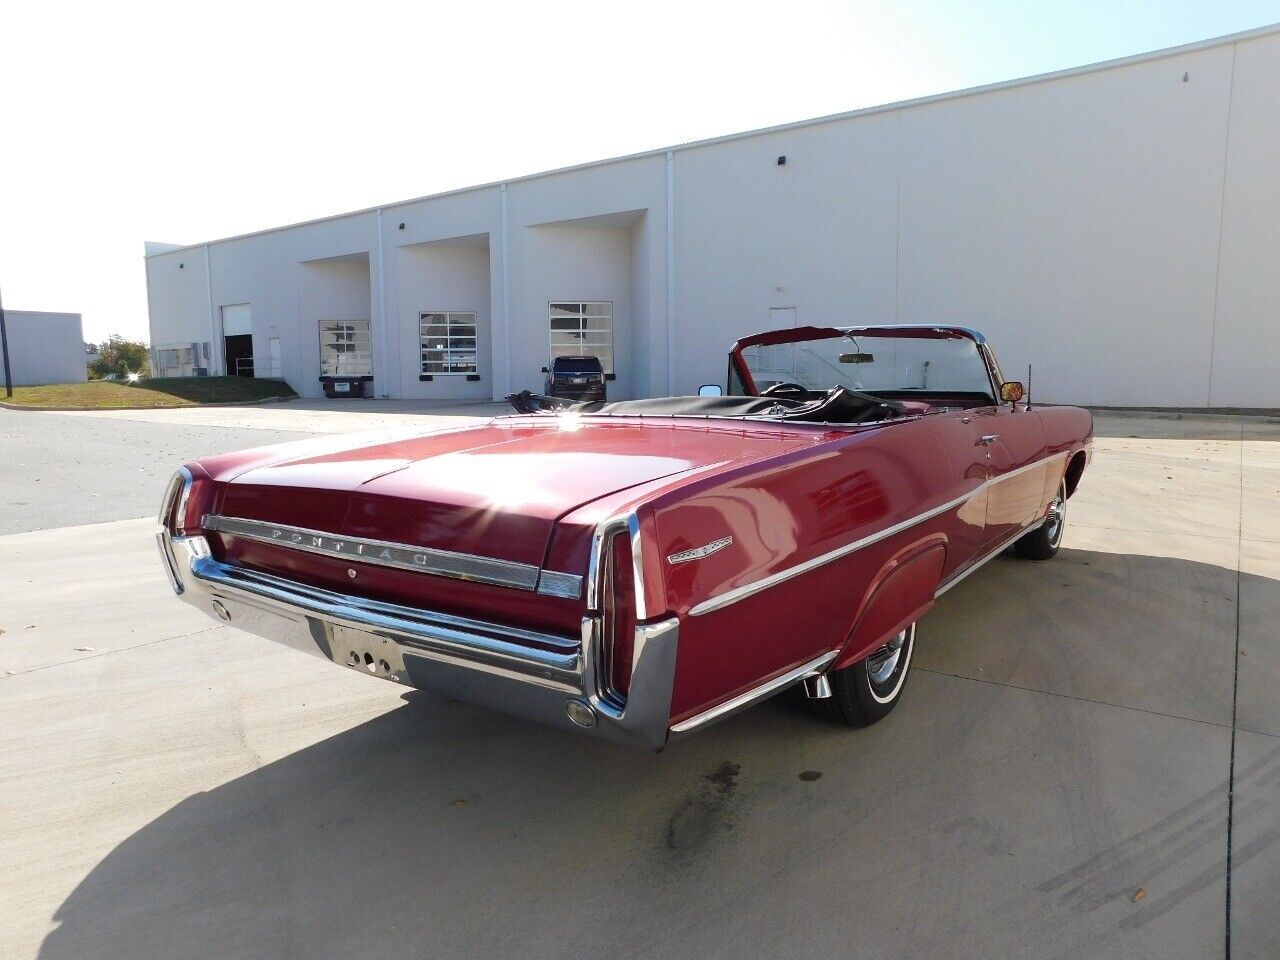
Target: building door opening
(238, 350)
(237, 340)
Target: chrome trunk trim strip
(401, 556)
(755, 694)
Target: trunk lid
(494, 490)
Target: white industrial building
(1117, 225)
(45, 348)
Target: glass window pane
(447, 342)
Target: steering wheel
(778, 389)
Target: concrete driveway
(1086, 762)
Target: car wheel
(866, 691)
(1043, 542)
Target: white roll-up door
(236, 320)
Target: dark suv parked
(575, 378)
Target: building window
(447, 343)
(345, 348)
(187, 360)
(583, 330)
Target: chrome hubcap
(887, 667)
(1053, 520)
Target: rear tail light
(186, 501)
(620, 613)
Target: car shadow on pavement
(442, 830)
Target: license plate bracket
(367, 653)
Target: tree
(121, 357)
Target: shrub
(121, 357)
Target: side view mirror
(710, 390)
(1011, 391)
(545, 370)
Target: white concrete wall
(1246, 335)
(443, 276)
(448, 218)
(337, 288)
(817, 234)
(578, 262)
(1117, 227)
(178, 297)
(587, 230)
(44, 348)
(1076, 223)
(265, 271)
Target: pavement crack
(1235, 704)
(108, 653)
(1071, 696)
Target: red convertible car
(639, 569)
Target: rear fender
(899, 595)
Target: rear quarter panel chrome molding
(743, 700)
(722, 600)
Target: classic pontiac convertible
(639, 569)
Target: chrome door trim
(403, 556)
(755, 694)
(720, 601)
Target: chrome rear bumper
(540, 676)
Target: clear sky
(183, 122)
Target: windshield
(578, 365)
(872, 364)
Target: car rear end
(503, 565)
(577, 378)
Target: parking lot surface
(1086, 761)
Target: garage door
(236, 320)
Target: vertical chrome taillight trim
(173, 508)
(637, 567)
(599, 594)
(597, 568)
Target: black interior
(836, 406)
